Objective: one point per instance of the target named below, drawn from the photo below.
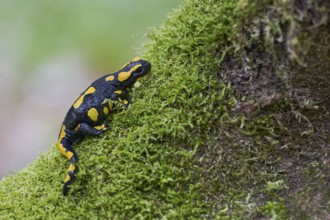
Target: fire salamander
(89, 111)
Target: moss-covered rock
(233, 122)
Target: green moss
(198, 141)
(273, 210)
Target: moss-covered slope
(221, 127)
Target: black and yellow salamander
(88, 113)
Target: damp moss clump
(208, 134)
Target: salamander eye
(139, 69)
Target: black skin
(77, 123)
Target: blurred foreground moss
(214, 131)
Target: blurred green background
(105, 32)
(50, 51)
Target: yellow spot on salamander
(125, 102)
(67, 178)
(118, 92)
(69, 155)
(60, 138)
(123, 76)
(100, 127)
(136, 59)
(80, 100)
(110, 78)
(77, 128)
(120, 100)
(106, 110)
(72, 167)
(93, 114)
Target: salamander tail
(70, 178)
(64, 144)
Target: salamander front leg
(87, 129)
(125, 101)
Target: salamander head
(132, 71)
